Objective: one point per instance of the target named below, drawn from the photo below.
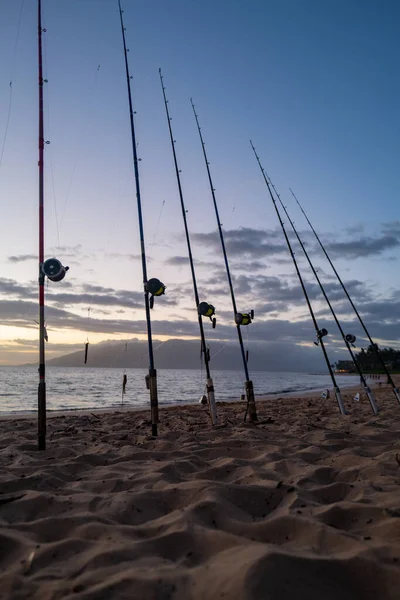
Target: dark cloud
(92, 295)
(363, 246)
(250, 266)
(180, 261)
(177, 261)
(354, 229)
(262, 243)
(22, 258)
(244, 242)
(391, 228)
(387, 311)
(10, 287)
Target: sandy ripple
(305, 504)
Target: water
(71, 388)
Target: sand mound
(305, 504)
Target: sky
(314, 84)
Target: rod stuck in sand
(373, 344)
(349, 338)
(321, 333)
(152, 287)
(202, 308)
(240, 318)
(52, 267)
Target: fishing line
(78, 143)
(139, 359)
(220, 350)
(157, 224)
(10, 84)
(49, 152)
(55, 202)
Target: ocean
(95, 388)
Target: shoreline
(301, 395)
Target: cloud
(363, 246)
(247, 242)
(22, 258)
(391, 228)
(10, 287)
(92, 295)
(244, 242)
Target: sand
(303, 505)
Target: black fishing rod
(240, 318)
(373, 344)
(154, 287)
(202, 308)
(321, 333)
(349, 338)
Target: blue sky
(314, 84)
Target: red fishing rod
(373, 344)
(321, 333)
(52, 267)
(42, 368)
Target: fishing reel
(244, 318)
(155, 288)
(350, 339)
(53, 269)
(207, 310)
(320, 334)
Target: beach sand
(303, 505)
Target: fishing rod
(203, 308)
(349, 338)
(321, 333)
(152, 287)
(373, 344)
(240, 318)
(42, 367)
(52, 267)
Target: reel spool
(320, 334)
(155, 288)
(244, 318)
(53, 269)
(207, 310)
(350, 339)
